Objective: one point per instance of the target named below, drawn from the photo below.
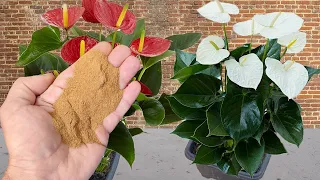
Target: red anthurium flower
(145, 90)
(55, 17)
(88, 14)
(108, 14)
(152, 47)
(70, 51)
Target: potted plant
(233, 118)
(55, 47)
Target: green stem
(141, 73)
(284, 53)
(114, 38)
(100, 35)
(225, 36)
(250, 44)
(266, 47)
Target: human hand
(35, 147)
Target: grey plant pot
(112, 170)
(212, 171)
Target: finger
(129, 96)
(119, 55)
(127, 70)
(26, 89)
(50, 96)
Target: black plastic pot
(212, 171)
(111, 170)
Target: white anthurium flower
(210, 50)
(247, 72)
(278, 24)
(290, 77)
(247, 28)
(218, 12)
(295, 42)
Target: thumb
(26, 89)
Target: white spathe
(247, 72)
(207, 54)
(295, 42)
(247, 28)
(218, 12)
(278, 24)
(290, 77)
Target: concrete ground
(160, 155)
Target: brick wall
(19, 18)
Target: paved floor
(160, 155)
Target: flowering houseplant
(38, 58)
(235, 120)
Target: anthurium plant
(237, 119)
(60, 44)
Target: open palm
(35, 148)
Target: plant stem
(225, 36)
(225, 80)
(67, 33)
(114, 38)
(141, 73)
(265, 50)
(284, 53)
(100, 35)
(250, 44)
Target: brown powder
(91, 95)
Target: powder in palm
(91, 95)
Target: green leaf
(214, 121)
(207, 155)
(213, 70)
(185, 112)
(198, 91)
(150, 61)
(76, 31)
(141, 97)
(152, 78)
(121, 141)
(287, 121)
(241, 112)
(186, 129)
(183, 41)
(183, 59)
(273, 51)
(170, 116)
(273, 144)
(262, 129)
(96, 36)
(201, 135)
(153, 111)
(120, 35)
(135, 131)
(240, 51)
(229, 165)
(43, 40)
(249, 154)
(186, 72)
(127, 39)
(312, 71)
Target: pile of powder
(91, 95)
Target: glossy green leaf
(273, 51)
(128, 38)
(153, 111)
(249, 154)
(43, 41)
(186, 72)
(273, 144)
(262, 129)
(150, 61)
(135, 131)
(120, 136)
(170, 116)
(183, 59)
(241, 112)
(223, 165)
(312, 71)
(141, 97)
(287, 121)
(198, 91)
(186, 129)
(201, 135)
(76, 31)
(229, 165)
(183, 41)
(97, 35)
(152, 78)
(214, 121)
(213, 70)
(207, 155)
(240, 51)
(185, 112)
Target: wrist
(15, 173)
